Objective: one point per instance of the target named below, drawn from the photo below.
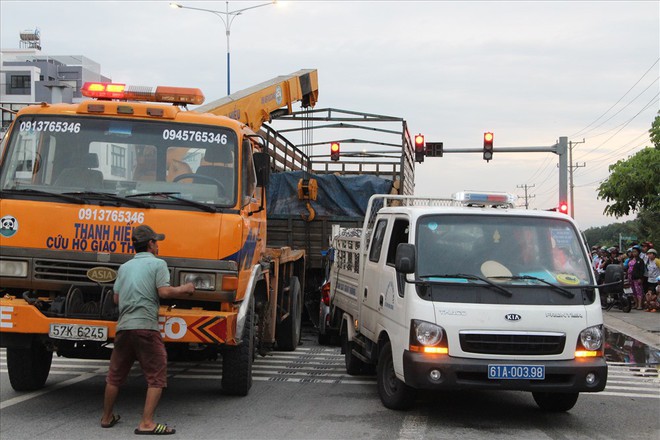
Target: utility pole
(527, 197)
(571, 167)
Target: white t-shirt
(653, 270)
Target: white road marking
(323, 365)
(413, 428)
(23, 397)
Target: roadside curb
(643, 336)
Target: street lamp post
(227, 18)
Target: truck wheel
(29, 367)
(324, 338)
(288, 330)
(354, 365)
(555, 402)
(393, 392)
(237, 361)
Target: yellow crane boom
(253, 106)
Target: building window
(118, 165)
(20, 81)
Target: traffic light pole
(560, 149)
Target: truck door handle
(380, 301)
(365, 293)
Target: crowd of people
(641, 269)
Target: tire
(29, 367)
(288, 331)
(325, 339)
(354, 365)
(393, 392)
(555, 402)
(625, 304)
(237, 361)
(613, 273)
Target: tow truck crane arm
(255, 105)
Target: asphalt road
(306, 394)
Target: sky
(530, 72)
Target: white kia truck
(468, 293)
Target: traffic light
(419, 148)
(488, 146)
(334, 151)
(563, 207)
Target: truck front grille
(67, 271)
(512, 344)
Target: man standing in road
(140, 284)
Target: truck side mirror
(405, 258)
(262, 168)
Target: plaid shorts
(145, 346)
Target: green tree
(655, 132)
(609, 235)
(634, 186)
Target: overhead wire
(620, 110)
(622, 126)
(547, 161)
(610, 155)
(579, 132)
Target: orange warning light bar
(174, 95)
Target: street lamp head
(175, 5)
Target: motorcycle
(612, 293)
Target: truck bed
(345, 271)
(314, 237)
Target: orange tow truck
(75, 179)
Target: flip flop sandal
(159, 429)
(112, 423)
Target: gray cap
(144, 233)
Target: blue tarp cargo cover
(338, 196)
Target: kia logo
(513, 317)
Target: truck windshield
(509, 250)
(138, 158)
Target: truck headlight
(426, 333)
(202, 281)
(13, 268)
(591, 338)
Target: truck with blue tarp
(313, 191)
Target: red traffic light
(563, 208)
(334, 151)
(419, 143)
(488, 146)
(420, 146)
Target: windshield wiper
(563, 291)
(114, 197)
(171, 196)
(466, 276)
(68, 198)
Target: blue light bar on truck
(486, 198)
